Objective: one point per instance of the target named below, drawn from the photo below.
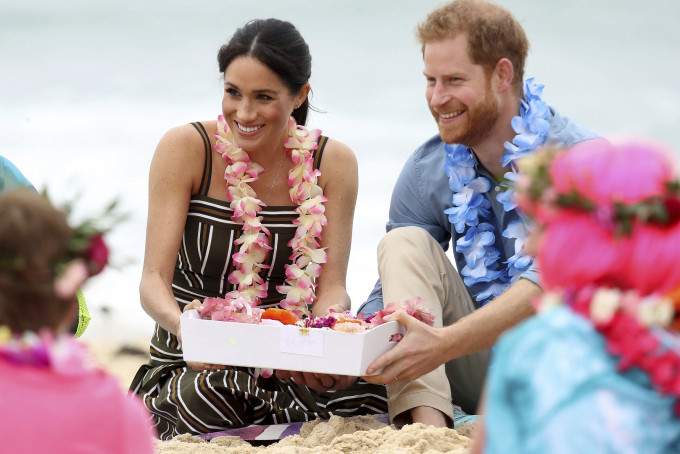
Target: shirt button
(497, 188)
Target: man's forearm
(480, 330)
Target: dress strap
(207, 167)
(318, 153)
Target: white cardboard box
(284, 347)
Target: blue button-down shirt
(422, 193)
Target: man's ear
(504, 73)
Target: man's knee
(404, 237)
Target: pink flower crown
(86, 244)
(537, 197)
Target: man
(451, 186)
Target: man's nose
(439, 95)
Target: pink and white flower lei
(253, 245)
(61, 353)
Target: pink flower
(415, 307)
(248, 206)
(313, 205)
(253, 238)
(294, 295)
(303, 139)
(665, 371)
(349, 327)
(66, 284)
(604, 216)
(253, 293)
(97, 254)
(251, 256)
(313, 270)
(230, 309)
(293, 272)
(263, 372)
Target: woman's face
(256, 105)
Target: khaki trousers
(411, 263)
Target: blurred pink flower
(97, 254)
(415, 307)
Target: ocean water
(87, 88)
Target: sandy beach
(360, 435)
(337, 436)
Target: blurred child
(11, 178)
(598, 370)
(51, 399)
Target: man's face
(458, 92)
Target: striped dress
(182, 400)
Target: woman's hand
(196, 304)
(317, 381)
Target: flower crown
(86, 243)
(536, 195)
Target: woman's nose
(246, 112)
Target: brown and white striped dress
(182, 400)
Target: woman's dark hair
(279, 46)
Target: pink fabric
(43, 411)
(578, 248)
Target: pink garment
(44, 411)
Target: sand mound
(360, 435)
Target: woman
(598, 370)
(52, 399)
(203, 208)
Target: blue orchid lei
(469, 204)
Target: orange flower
(284, 316)
(674, 295)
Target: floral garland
(633, 328)
(469, 202)
(538, 197)
(240, 311)
(253, 245)
(87, 242)
(62, 354)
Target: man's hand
(316, 381)
(419, 352)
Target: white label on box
(301, 341)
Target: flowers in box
(230, 310)
(242, 311)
